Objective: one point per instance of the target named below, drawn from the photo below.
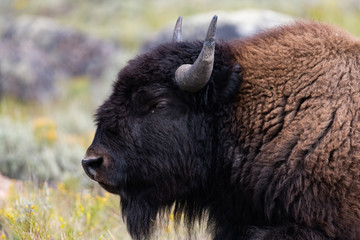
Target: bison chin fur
(141, 216)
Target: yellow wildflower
(51, 135)
(61, 187)
(41, 122)
(8, 215)
(88, 218)
(101, 199)
(45, 129)
(82, 210)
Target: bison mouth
(94, 169)
(110, 188)
(116, 180)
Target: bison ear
(224, 84)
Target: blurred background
(58, 59)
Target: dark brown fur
(298, 109)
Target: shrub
(35, 151)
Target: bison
(260, 137)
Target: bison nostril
(92, 162)
(90, 166)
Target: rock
(36, 53)
(230, 25)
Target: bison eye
(161, 105)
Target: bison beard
(268, 150)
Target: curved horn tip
(177, 35)
(212, 28)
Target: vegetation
(43, 144)
(61, 212)
(130, 22)
(66, 212)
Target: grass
(65, 212)
(60, 212)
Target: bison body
(269, 148)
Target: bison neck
(228, 203)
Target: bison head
(156, 139)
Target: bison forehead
(154, 73)
(158, 65)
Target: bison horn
(177, 36)
(193, 77)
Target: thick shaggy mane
(298, 108)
